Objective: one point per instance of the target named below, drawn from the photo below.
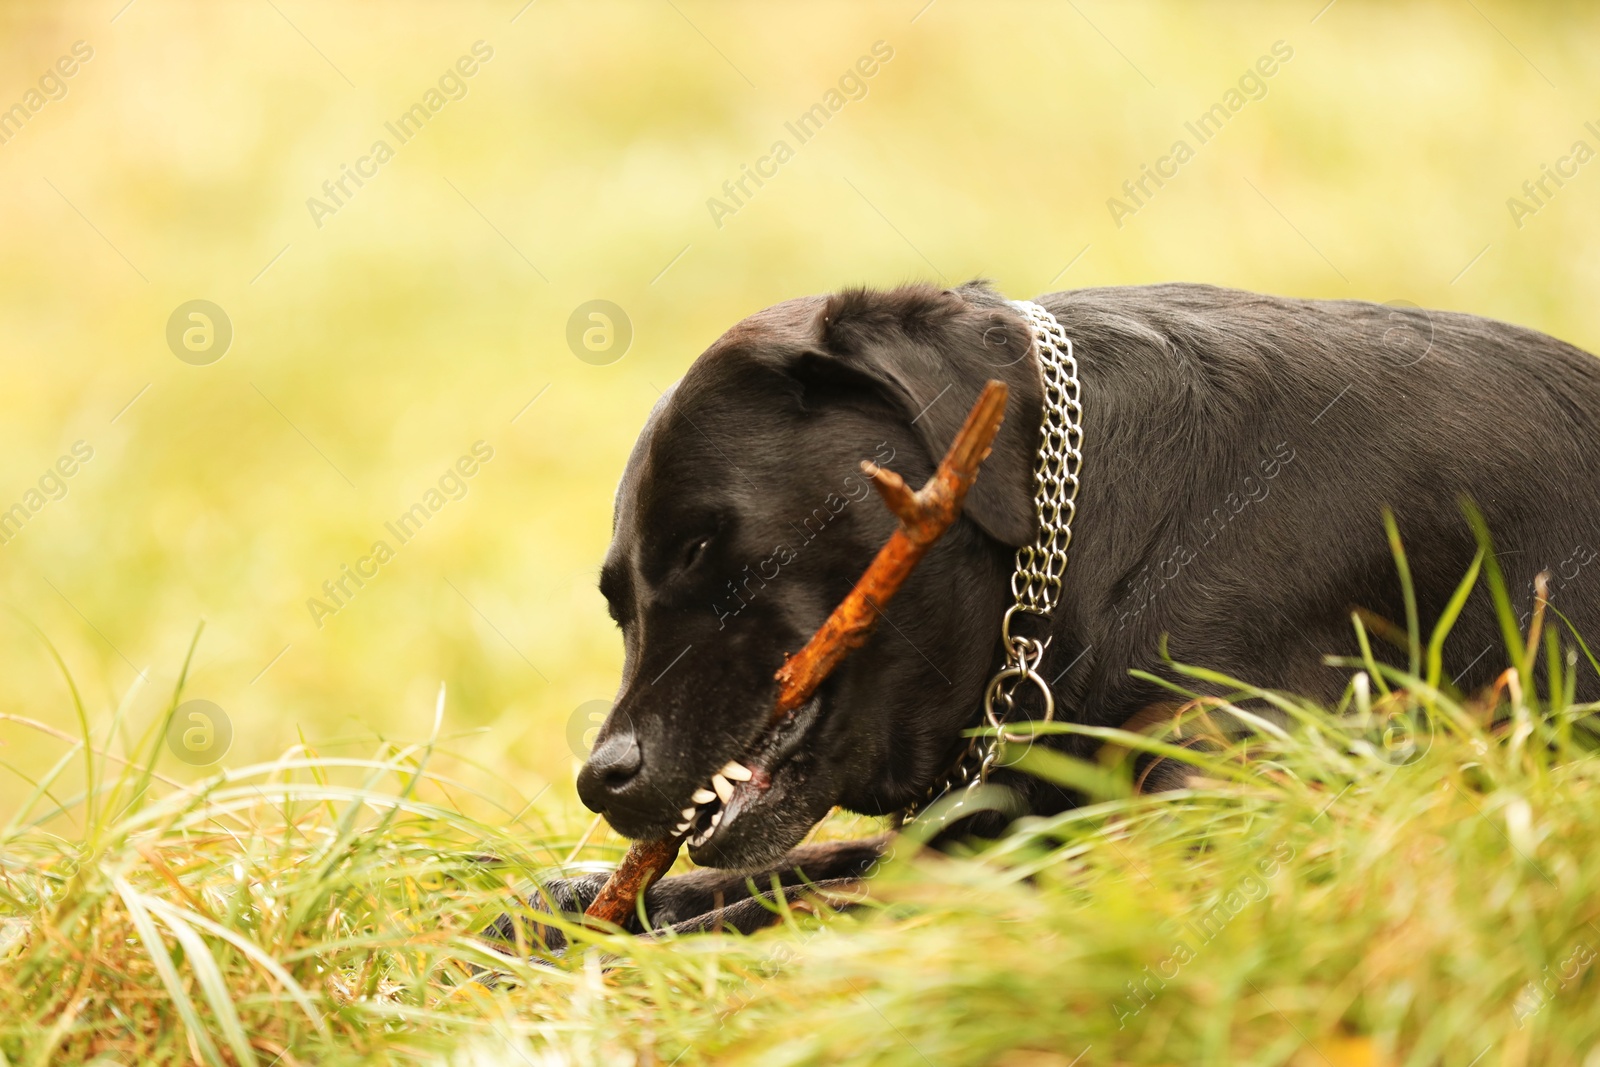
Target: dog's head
(742, 519)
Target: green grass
(1406, 878)
(372, 351)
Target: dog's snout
(612, 767)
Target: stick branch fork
(924, 516)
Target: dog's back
(1239, 452)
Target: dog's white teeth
(723, 787)
(716, 817)
(688, 813)
(681, 827)
(702, 795)
(736, 771)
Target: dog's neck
(1041, 565)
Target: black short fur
(1239, 451)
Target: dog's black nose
(612, 767)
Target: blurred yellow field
(329, 326)
(616, 152)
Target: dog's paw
(566, 897)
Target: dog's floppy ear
(929, 351)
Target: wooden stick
(924, 517)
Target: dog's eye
(695, 550)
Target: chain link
(1036, 581)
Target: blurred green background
(429, 311)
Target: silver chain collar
(1036, 581)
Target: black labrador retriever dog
(1238, 453)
